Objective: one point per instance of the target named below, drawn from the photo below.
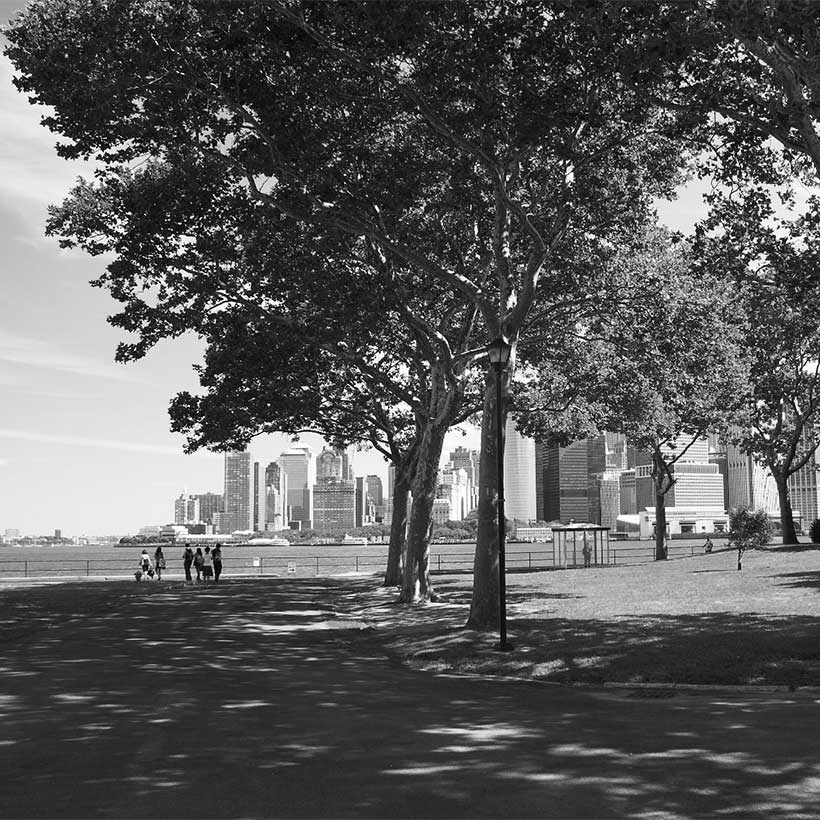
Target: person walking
(198, 562)
(187, 560)
(208, 565)
(217, 559)
(144, 564)
(159, 562)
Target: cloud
(24, 350)
(31, 173)
(105, 444)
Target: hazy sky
(84, 441)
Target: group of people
(207, 565)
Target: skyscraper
(571, 491)
(238, 513)
(334, 504)
(301, 472)
(276, 513)
(519, 475)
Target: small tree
(748, 529)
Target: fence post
(87, 569)
(317, 564)
(614, 557)
(25, 569)
(529, 559)
(438, 557)
(357, 563)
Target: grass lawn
(686, 621)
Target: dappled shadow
(274, 698)
(807, 580)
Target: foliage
(814, 531)
(449, 159)
(748, 530)
(661, 362)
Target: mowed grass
(686, 621)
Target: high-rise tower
(519, 474)
(238, 513)
(300, 471)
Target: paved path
(254, 699)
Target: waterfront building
(276, 512)
(334, 504)
(804, 487)
(375, 491)
(467, 460)
(628, 499)
(695, 503)
(238, 514)
(454, 485)
(209, 505)
(747, 483)
(519, 474)
(571, 491)
(186, 509)
(299, 467)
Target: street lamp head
(498, 352)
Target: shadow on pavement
(273, 698)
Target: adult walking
(187, 560)
(159, 562)
(198, 562)
(217, 558)
(207, 565)
(144, 566)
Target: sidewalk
(278, 698)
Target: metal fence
(517, 560)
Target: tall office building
(454, 486)
(365, 509)
(571, 491)
(329, 464)
(300, 470)
(238, 514)
(804, 487)
(186, 509)
(276, 512)
(467, 460)
(698, 483)
(519, 475)
(747, 483)
(334, 504)
(375, 490)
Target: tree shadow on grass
(268, 698)
(806, 580)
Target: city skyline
(85, 445)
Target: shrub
(814, 531)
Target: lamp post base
(506, 646)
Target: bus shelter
(568, 545)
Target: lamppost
(499, 354)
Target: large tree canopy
(471, 150)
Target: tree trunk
(416, 585)
(660, 510)
(397, 552)
(786, 519)
(484, 608)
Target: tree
(474, 146)
(662, 363)
(773, 260)
(748, 530)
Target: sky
(85, 445)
